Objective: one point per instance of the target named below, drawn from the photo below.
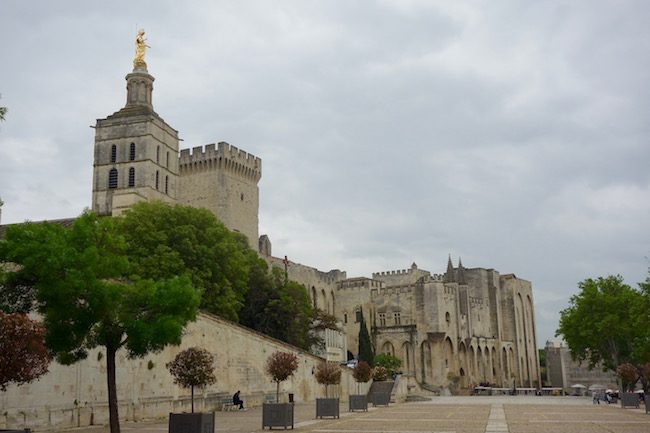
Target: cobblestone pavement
(518, 414)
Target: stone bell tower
(136, 151)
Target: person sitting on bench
(238, 401)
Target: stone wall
(73, 396)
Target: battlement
(222, 157)
(433, 277)
(359, 283)
(388, 273)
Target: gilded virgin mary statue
(140, 47)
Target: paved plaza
(518, 414)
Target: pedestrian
(594, 397)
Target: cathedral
(455, 329)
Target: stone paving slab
(498, 414)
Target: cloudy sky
(512, 134)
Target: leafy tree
(362, 373)
(23, 355)
(17, 295)
(193, 367)
(164, 241)
(628, 375)
(328, 373)
(542, 365)
(3, 112)
(280, 366)
(90, 295)
(366, 351)
(389, 362)
(602, 323)
(607, 322)
(281, 308)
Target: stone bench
(229, 407)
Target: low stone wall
(76, 395)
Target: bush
(362, 372)
(389, 362)
(380, 373)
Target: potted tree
(327, 374)
(280, 366)
(361, 373)
(193, 367)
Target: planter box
(647, 404)
(327, 407)
(191, 423)
(629, 399)
(358, 402)
(380, 399)
(277, 415)
(27, 430)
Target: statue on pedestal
(140, 47)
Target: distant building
(564, 372)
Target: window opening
(132, 152)
(112, 178)
(131, 177)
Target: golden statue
(140, 47)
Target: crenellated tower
(136, 152)
(223, 179)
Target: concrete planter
(380, 399)
(191, 423)
(358, 402)
(27, 430)
(629, 399)
(327, 407)
(277, 415)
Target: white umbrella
(596, 386)
(577, 385)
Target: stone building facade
(572, 376)
(466, 325)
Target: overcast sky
(512, 134)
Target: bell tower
(136, 151)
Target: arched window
(167, 165)
(132, 152)
(113, 153)
(158, 155)
(166, 184)
(131, 177)
(157, 179)
(112, 178)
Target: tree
(328, 373)
(389, 362)
(193, 367)
(281, 308)
(90, 294)
(379, 373)
(280, 366)
(366, 351)
(607, 323)
(628, 375)
(602, 323)
(362, 373)
(164, 241)
(23, 355)
(3, 112)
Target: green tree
(90, 295)
(163, 241)
(366, 351)
(328, 373)
(281, 308)
(602, 323)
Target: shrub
(380, 373)
(389, 362)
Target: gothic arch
(314, 297)
(407, 358)
(388, 348)
(480, 367)
(426, 366)
(504, 366)
(471, 363)
(448, 350)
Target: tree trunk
(114, 420)
(192, 388)
(277, 392)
